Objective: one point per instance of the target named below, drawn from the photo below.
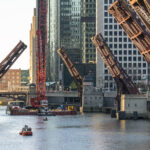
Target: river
(91, 131)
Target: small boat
(45, 119)
(26, 131)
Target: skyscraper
(88, 30)
(64, 30)
(120, 45)
(53, 40)
(70, 28)
(32, 70)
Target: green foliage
(73, 85)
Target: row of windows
(139, 65)
(121, 46)
(119, 39)
(115, 33)
(125, 52)
(129, 58)
(90, 1)
(112, 27)
(134, 72)
(108, 1)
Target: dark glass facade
(70, 28)
(88, 30)
(84, 69)
(53, 40)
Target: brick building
(11, 80)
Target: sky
(15, 23)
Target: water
(80, 132)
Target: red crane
(41, 51)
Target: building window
(125, 64)
(134, 64)
(120, 39)
(144, 64)
(106, 20)
(120, 52)
(139, 58)
(144, 71)
(115, 26)
(125, 58)
(120, 33)
(134, 58)
(115, 33)
(106, 14)
(134, 52)
(105, 7)
(130, 58)
(120, 58)
(125, 39)
(139, 71)
(130, 52)
(106, 33)
(125, 52)
(139, 65)
(110, 39)
(129, 45)
(106, 1)
(115, 45)
(115, 52)
(110, 20)
(110, 33)
(130, 65)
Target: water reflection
(81, 132)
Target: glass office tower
(64, 30)
(70, 28)
(88, 30)
(53, 40)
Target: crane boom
(41, 50)
(11, 58)
(132, 26)
(123, 81)
(72, 70)
(142, 8)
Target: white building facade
(121, 47)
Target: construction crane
(142, 9)
(123, 81)
(41, 52)
(132, 26)
(11, 58)
(72, 70)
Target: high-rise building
(121, 47)
(64, 30)
(32, 70)
(70, 28)
(53, 40)
(88, 30)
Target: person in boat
(45, 119)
